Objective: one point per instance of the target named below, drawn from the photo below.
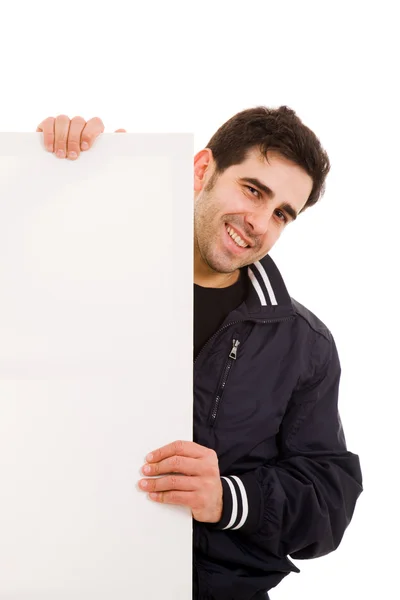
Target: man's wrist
(218, 510)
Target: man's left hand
(192, 478)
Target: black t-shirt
(211, 307)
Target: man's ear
(203, 162)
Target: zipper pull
(233, 352)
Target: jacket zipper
(232, 357)
(227, 369)
(278, 320)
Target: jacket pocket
(229, 365)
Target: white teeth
(236, 238)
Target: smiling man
(240, 213)
(268, 475)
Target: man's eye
(282, 216)
(253, 191)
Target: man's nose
(258, 221)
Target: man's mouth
(236, 237)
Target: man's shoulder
(314, 322)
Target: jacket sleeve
(301, 503)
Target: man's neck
(206, 277)
(215, 280)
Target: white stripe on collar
(257, 287)
(267, 282)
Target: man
(268, 475)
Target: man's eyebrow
(290, 210)
(268, 192)
(254, 181)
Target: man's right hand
(67, 137)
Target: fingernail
(149, 457)
(72, 155)
(143, 484)
(60, 153)
(84, 145)
(146, 469)
(49, 148)
(153, 495)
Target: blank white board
(96, 282)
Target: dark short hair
(277, 129)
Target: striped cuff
(242, 504)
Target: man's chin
(226, 267)
(226, 263)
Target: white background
(189, 66)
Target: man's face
(253, 200)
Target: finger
(93, 128)
(61, 129)
(174, 464)
(120, 131)
(171, 482)
(47, 127)
(76, 127)
(178, 498)
(178, 448)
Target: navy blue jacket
(266, 400)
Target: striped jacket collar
(267, 293)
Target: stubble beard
(207, 230)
